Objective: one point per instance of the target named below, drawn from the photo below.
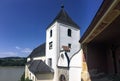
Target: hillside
(13, 61)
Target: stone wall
(63, 72)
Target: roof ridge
(38, 51)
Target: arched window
(69, 32)
(50, 33)
(62, 78)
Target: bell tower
(62, 34)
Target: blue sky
(23, 22)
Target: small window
(62, 56)
(69, 45)
(30, 76)
(69, 32)
(33, 78)
(50, 33)
(50, 45)
(50, 62)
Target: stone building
(62, 37)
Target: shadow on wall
(98, 63)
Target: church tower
(62, 34)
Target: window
(30, 76)
(62, 56)
(69, 32)
(50, 33)
(50, 45)
(69, 45)
(50, 62)
(33, 78)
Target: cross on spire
(62, 6)
(62, 3)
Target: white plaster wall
(59, 38)
(73, 40)
(76, 67)
(31, 76)
(76, 60)
(39, 58)
(44, 77)
(75, 74)
(63, 62)
(53, 53)
(44, 80)
(28, 59)
(26, 71)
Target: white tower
(62, 33)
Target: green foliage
(23, 78)
(12, 61)
(27, 79)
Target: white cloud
(17, 52)
(27, 50)
(17, 47)
(8, 54)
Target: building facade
(62, 35)
(62, 44)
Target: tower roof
(64, 18)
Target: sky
(23, 23)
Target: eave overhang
(107, 13)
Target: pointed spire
(64, 18)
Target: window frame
(50, 45)
(50, 62)
(69, 32)
(69, 45)
(51, 32)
